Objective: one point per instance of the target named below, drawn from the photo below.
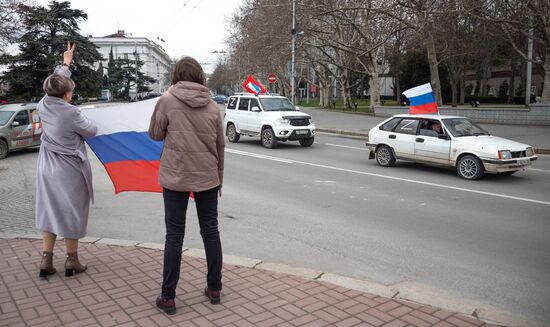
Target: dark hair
(188, 69)
(57, 86)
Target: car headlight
(311, 121)
(504, 154)
(529, 152)
(283, 121)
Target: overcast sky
(188, 27)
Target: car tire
(470, 167)
(3, 149)
(307, 142)
(232, 134)
(384, 156)
(508, 173)
(268, 138)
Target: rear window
(407, 126)
(232, 103)
(388, 126)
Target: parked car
(272, 117)
(220, 99)
(20, 127)
(447, 140)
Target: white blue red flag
(422, 100)
(253, 86)
(122, 144)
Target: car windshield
(5, 116)
(277, 104)
(463, 127)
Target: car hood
(286, 114)
(490, 142)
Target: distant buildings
(156, 62)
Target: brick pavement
(122, 283)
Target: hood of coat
(192, 94)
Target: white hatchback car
(272, 117)
(449, 141)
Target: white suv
(272, 117)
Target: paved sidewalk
(122, 283)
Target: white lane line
(536, 169)
(389, 177)
(260, 156)
(347, 147)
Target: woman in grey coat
(63, 174)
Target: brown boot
(72, 265)
(46, 265)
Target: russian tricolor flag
(253, 86)
(122, 144)
(422, 100)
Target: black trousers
(175, 208)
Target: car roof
(18, 106)
(426, 116)
(259, 96)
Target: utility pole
(293, 33)
(136, 60)
(529, 64)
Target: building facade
(156, 63)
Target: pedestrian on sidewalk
(189, 122)
(63, 173)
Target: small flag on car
(421, 100)
(253, 86)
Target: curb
(365, 135)
(406, 291)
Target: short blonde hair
(57, 85)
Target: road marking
(536, 169)
(250, 154)
(348, 147)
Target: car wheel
(3, 149)
(268, 138)
(470, 167)
(232, 134)
(384, 156)
(307, 142)
(508, 173)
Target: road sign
(272, 78)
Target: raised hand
(68, 55)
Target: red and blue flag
(422, 100)
(253, 86)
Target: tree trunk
(434, 71)
(462, 89)
(374, 88)
(512, 83)
(545, 98)
(397, 88)
(454, 91)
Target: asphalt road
(329, 208)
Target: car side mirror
(443, 137)
(15, 124)
(297, 108)
(255, 109)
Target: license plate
(302, 132)
(523, 162)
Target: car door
(36, 127)
(403, 137)
(242, 113)
(429, 146)
(254, 117)
(21, 130)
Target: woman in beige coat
(192, 159)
